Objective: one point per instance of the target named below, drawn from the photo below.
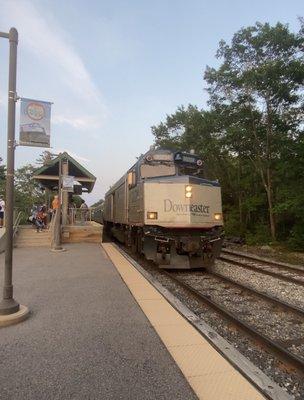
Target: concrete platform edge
(253, 374)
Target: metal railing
(81, 216)
(17, 221)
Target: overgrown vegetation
(251, 137)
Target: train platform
(99, 330)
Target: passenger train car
(163, 209)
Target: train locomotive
(163, 209)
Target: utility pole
(8, 305)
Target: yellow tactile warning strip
(209, 374)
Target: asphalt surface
(86, 337)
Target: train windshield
(157, 169)
(190, 170)
(188, 164)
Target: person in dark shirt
(2, 208)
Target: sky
(113, 69)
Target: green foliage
(258, 90)
(77, 200)
(27, 191)
(251, 137)
(259, 236)
(98, 203)
(45, 158)
(296, 239)
(232, 222)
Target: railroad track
(279, 316)
(291, 274)
(276, 301)
(265, 318)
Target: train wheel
(106, 233)
(139, 239)
(133, 240)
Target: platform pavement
(86, 337)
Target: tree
(77, 200)
(27, 190)
(191, 128)
(251, 137)
(45, 157)
(259, 86)
(98, 203)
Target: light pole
(8, 305)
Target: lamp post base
(8, 306)
(58, 249)
(11, 319)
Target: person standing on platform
(2, 209)
(72, 211)
(84, 211)
(55, 205)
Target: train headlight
(152, 215)
(218, 216)
(188, 193)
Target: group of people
(40, 215)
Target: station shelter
(51, 177)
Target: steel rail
(286, 355)
(263, 295)
(275, 300)
(293, 268)
(242, 264)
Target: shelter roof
(48, 175)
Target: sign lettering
(169, 206)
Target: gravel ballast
(287, 291)
(259, 356)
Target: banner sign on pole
(35, 123)
(68, 183)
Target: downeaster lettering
(179, 207)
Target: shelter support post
(65, 194)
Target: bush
(260, 236)
(296, 239)
(232, 223)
